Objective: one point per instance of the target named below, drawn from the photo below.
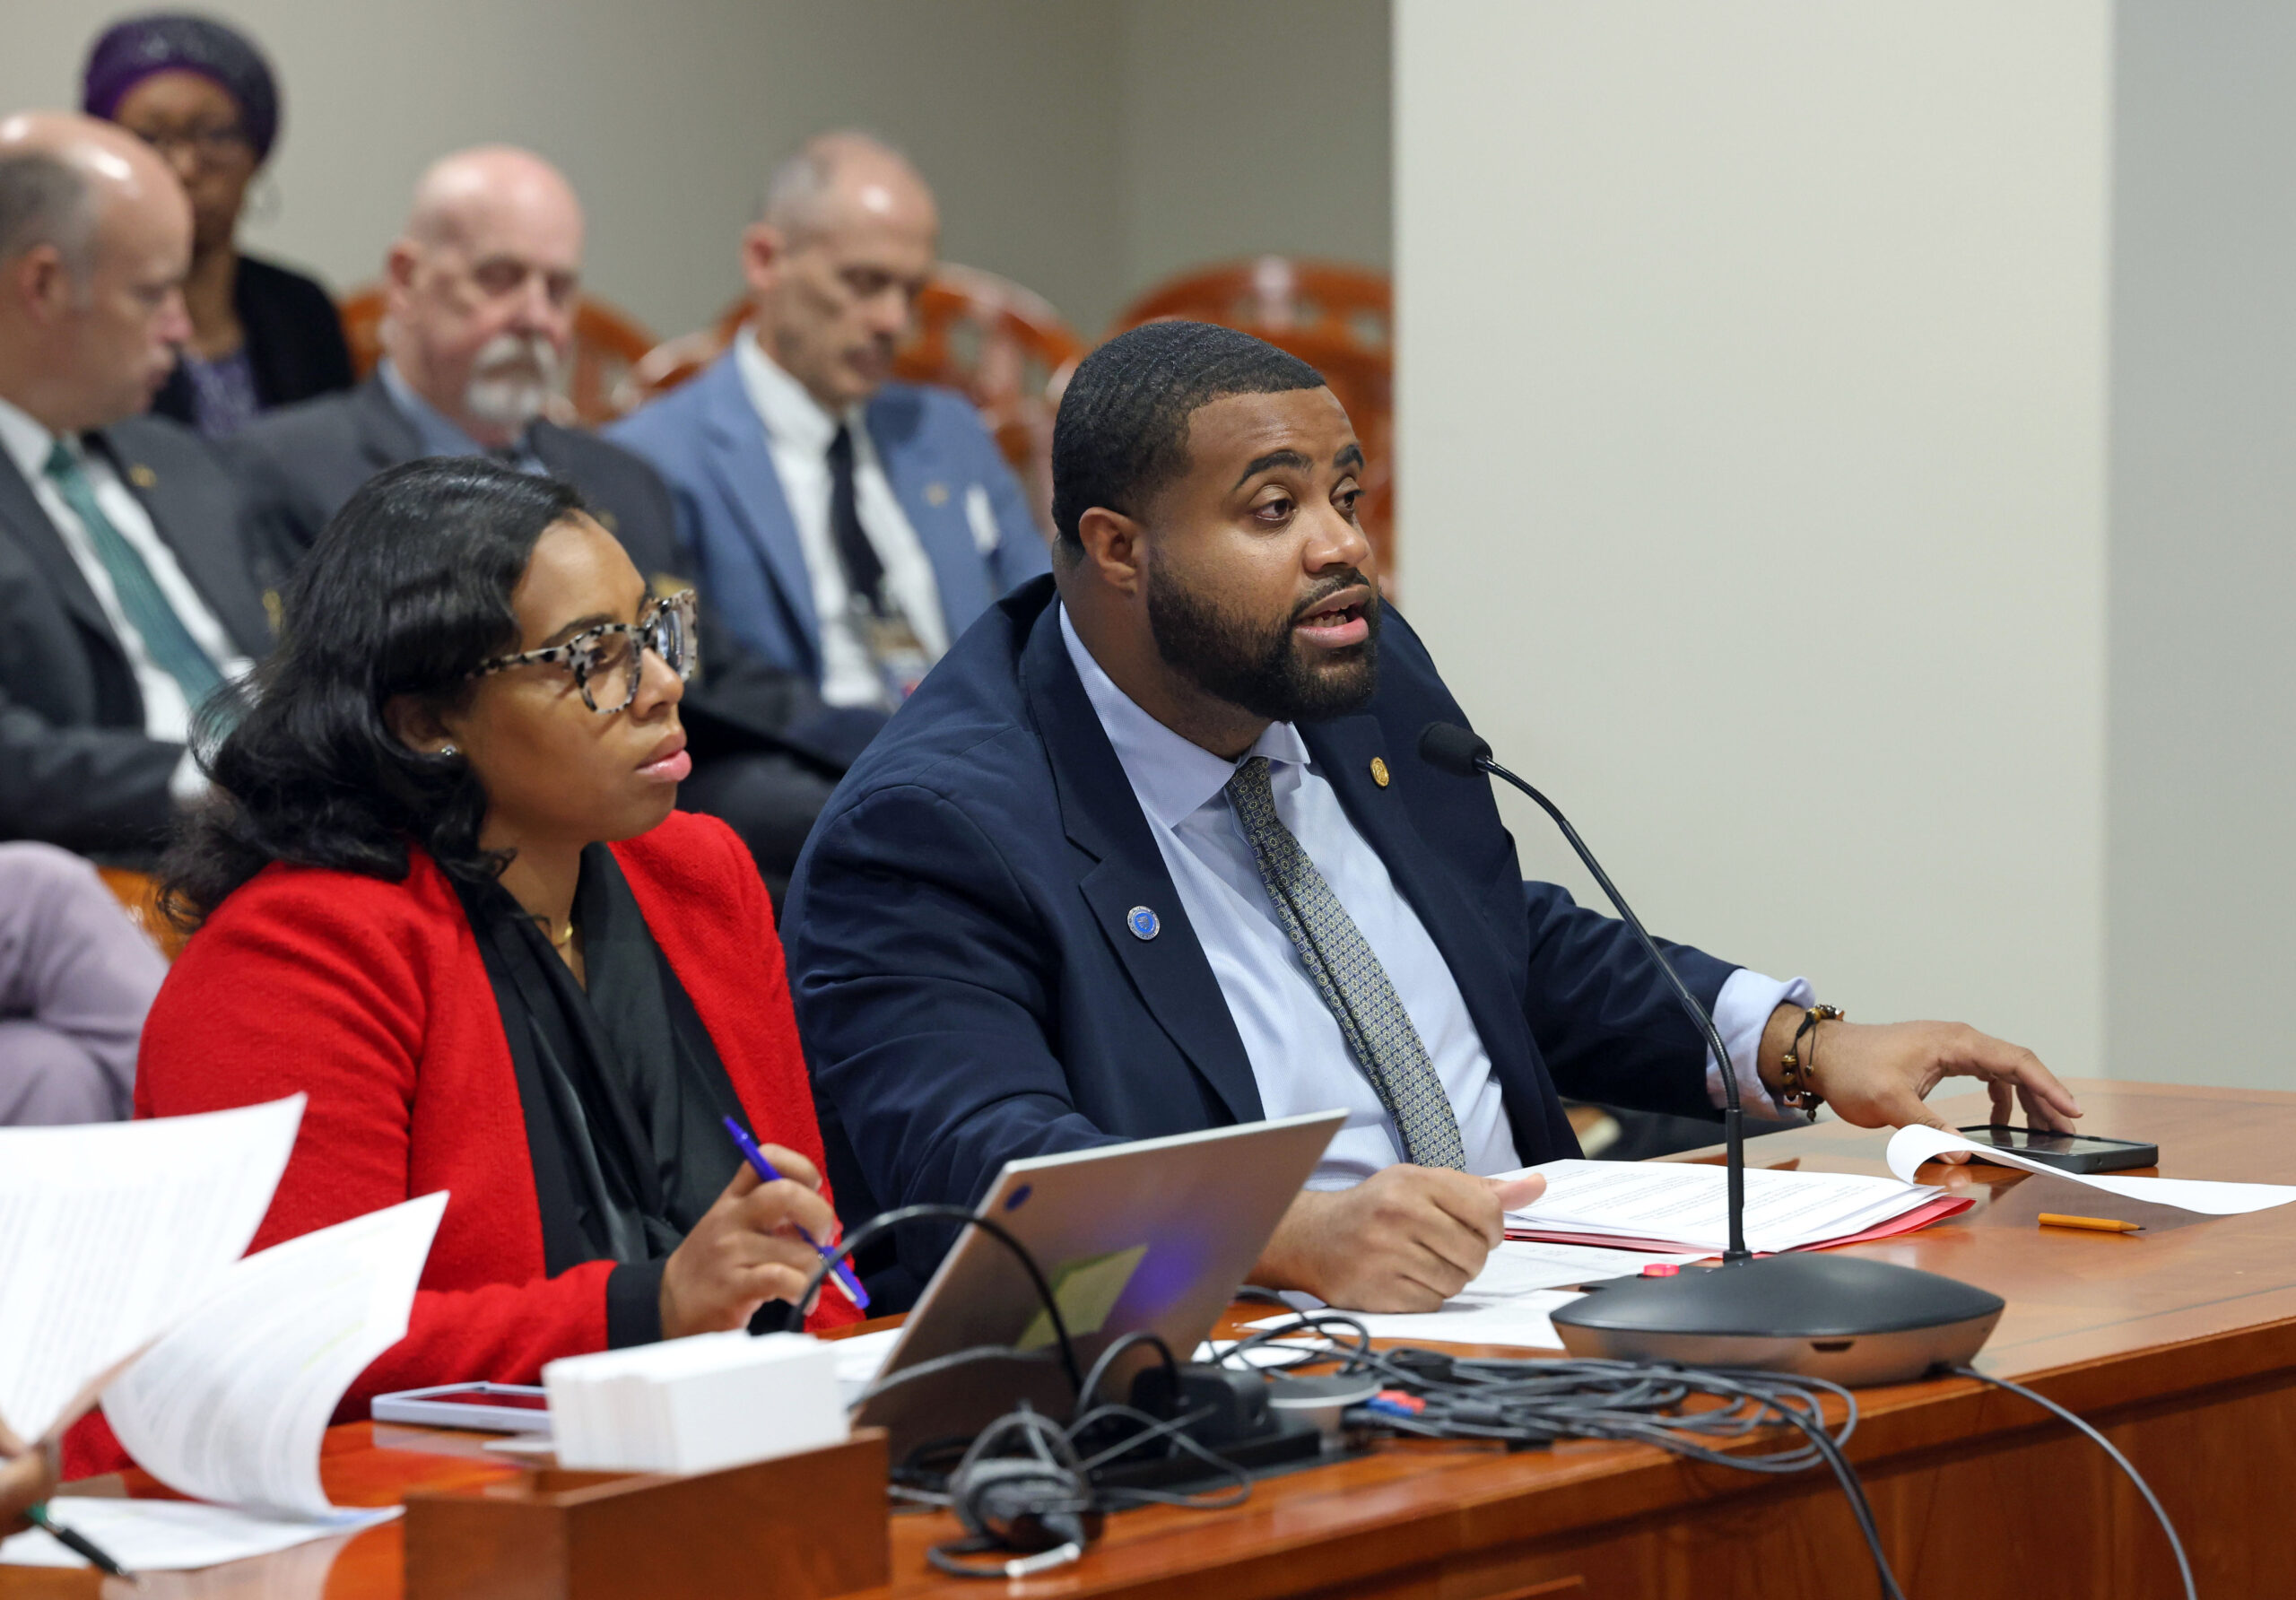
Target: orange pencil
(2050, 1219)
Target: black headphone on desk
(1020, 1488)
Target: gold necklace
(558, 939)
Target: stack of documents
(697, 1405)
(1508, 1302)
(1680, 1206)
(121, 1272)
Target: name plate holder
(797, 1527)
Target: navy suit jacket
(969, 991)
(706, 440)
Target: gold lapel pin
(142, 476)
(1378, 771)
(937, 494)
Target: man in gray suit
(481, 289)
(126, 598)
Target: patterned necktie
(865, 573)
(1349, 977)
(166, 641)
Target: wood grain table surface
(2179, 1339)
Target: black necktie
(865, 574)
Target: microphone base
(1852, 1321)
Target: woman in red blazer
(443, 892)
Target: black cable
(1061, 1463)
(2184, 1567)
(1092, 1384)
(885, 1222)
(943, 1363)
(1538, 1401)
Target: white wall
(666, 115)
(1084, 149)
(1752, 462)
(2203, 859)
(1252, 125)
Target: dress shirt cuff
(634, 1304)
(1741, 1012)
(187, 785)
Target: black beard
(1259, 666)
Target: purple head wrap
(134, 48)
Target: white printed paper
(232, 1405)
(110, 1231)
(1509, 1300)
(1519, 1266)
(1679, 1205)
(1911, 1146)
(1518, 1319)
(147, 1535)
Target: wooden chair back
(1339, 319)
(607, 343)
(139, 893)
(1342, 306)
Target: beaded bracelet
(1801, 1091)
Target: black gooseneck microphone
(1460, 752)
(1846, 1319)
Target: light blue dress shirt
(1299, 1059)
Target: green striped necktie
(166, 641)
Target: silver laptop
(1156, 1235)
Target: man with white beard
(481, 288)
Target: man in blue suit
(1154, 850)
(846, 526)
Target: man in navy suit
(1153, 850)
(846, 526)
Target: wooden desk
(2179, 1341)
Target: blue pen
(841, 1272)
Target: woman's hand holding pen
(26, 1477)
(747, 1250)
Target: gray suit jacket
(75, 766)
(302, 462)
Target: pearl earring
(448, 750)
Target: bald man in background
(126, 596)
(850, 526)
(481, 288)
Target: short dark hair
(1122, 432)
(407, 592)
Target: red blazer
(371, 997)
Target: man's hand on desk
(1405, 1238)
(1877, 1075)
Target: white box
(697, 1405)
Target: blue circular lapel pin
(1143, 922)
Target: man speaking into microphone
(1152, 850)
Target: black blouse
(294, 342)
(621, 1087)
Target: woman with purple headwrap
(202, 95)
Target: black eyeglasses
(608, 660)
(209, 141)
